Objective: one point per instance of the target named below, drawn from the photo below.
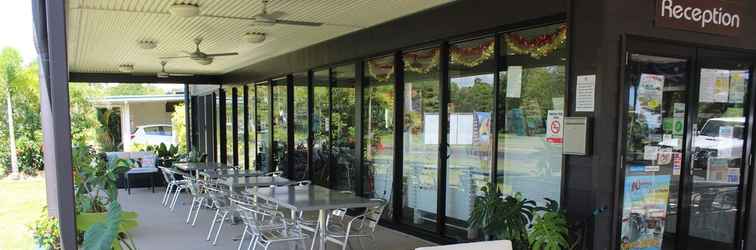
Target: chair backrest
(373, 214)
(167, 174)
(255, 216)
(195, 185)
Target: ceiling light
(184, 9)
(204, 61)
(147, 44)
(254, 37)
(126, 68)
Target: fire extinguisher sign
(554, 126)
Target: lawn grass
(21, 203)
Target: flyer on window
(644, 211)
(650, 91)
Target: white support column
(126, 126)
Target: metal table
(199, 166)
(221, 173)
(311, 198)
(237, 183)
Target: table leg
(322, 229)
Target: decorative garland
(472, 56)
(539, 46)
(421, 61)
(381, 69)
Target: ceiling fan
(164, 74)
(264, 18)
(199, 56)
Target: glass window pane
(470, 105)
(251, 127)
(300, 127)
(531, 94)
(378, 124)
(240, 125)
(228, 125)
(421, 130)
(280, 141)
(321, 117)
(343, 171)
(264, 128)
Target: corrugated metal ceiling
(103, 34)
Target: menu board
(644, 213)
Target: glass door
(718, 151)
(684, 147)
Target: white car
(153, 135)
(722, 137)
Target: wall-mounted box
(576, 136)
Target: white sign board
(585, 93)
(514, 81)
(430, 131)
(554, 126)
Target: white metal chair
(361, 226)
(266, 226)
(198, 198)
(221, 203)
(171, 184)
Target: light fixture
(147, 44)
(184, 9)
(204, 60)
(254, 37)
(126, 68)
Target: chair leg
(252, 243)
(175, 198)
(241, 241)
(199, 206)
(128, 185)
(167, 192)
(152, 182)
(314, 237)
(191, 208)
(212, 225)
(220, 227)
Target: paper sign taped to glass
(644, 211)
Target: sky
(17, 27)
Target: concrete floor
(159, 228)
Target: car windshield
(716, 128)
(158, 130)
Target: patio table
(221, 173)
(200, 166)
(313, 198)
(235, 183)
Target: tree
(178, 119)
(133, 89)
(10, 71)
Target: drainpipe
(126, 126)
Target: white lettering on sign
(704, 17)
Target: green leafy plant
(194, 156)
(503, 218)
(95, 179)
(46, 232)
(107, 230)
(550, 229)
(166, 154)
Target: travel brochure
(645, 210)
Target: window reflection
(263, 130)
(280, 133)
(531, 94)
(378, 111)
(343, 171)
(471, 98)
(251, 127)
(299, 159)
(321, 117)
(421, 130)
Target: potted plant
(46, 233)
(166, 155)
(503, 218)
(549, 230)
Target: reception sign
(708, 16)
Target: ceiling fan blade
(298, 23)
(222, 54)
(275, 14)
(180, 74)
(172, 57)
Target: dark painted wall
(596, 28)
(457, 18)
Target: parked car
(153, 135)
